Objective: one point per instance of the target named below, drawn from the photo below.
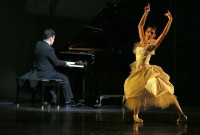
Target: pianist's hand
(69, 63)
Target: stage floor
(86, 120)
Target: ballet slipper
(137, 119)
(182, 118)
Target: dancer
(148, 85)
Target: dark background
(23, 21)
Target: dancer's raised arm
(165, 31)
(142, 22)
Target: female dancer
(149, 85)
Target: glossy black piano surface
(99, 45)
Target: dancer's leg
(136, 111)
(182, 116)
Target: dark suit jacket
(45, 60)
(43, 67)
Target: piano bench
(41, 86)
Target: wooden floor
(86, 120)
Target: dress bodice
(143, 55)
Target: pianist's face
(51, 40)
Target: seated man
(45, 60)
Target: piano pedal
(97, 104)
(82, 102)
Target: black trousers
(65, 86)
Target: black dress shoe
(73, 104)
(45, 104)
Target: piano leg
(82, 100)
(83, 91)
(98, 102)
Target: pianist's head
(49, 36)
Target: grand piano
(100, 57)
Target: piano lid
(96, 35)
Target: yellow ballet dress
(147, 84)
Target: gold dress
(147, 84)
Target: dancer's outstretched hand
(147, 8)
(168, 14)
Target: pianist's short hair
(48, 33)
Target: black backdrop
(22, 22)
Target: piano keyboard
(73, 65)
(78, 64)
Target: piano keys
(77, 64)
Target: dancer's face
(150, 33)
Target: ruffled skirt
(148, 85)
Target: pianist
(45, 60)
